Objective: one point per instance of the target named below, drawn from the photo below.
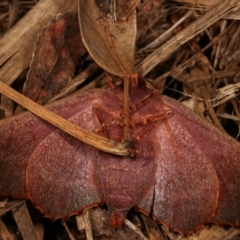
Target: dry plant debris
(199, 65)
(12, 11)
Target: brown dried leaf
(9, 206)
(109, 35)
(24, 222)
(4, 232)
(152, 229)
(17, 44)
(61, 43)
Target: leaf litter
(217, 65)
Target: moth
(184, 171)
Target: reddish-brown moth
(185, 172)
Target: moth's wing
(224, 153)
(18, 137)
(57, 165)
(60, 176)
(186, 190)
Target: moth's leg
(111, 122)
(142, 98)
(143, 125)
(149, 118)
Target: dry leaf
(57, 52)
(109, 34)
(24, 222)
